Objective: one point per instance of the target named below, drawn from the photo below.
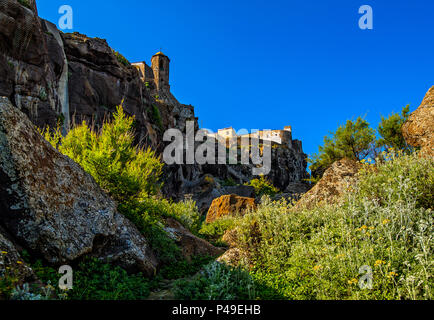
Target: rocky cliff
(52, 76)
(55, 77)
(419, 128)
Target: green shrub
(263, 187)
(25, 3)
(156, 116)
(399, 178)
(184, 268)
(148, 215)
(217, 282)
(8, 281)
(385, 223)
(95, 280)
(390, 131)
(229, 182)
(121, 169)
(185, 211)
(121, 58)
(215, 230)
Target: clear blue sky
(267, 64)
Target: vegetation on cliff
(263, 187)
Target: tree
(354, 141)
(390, 131)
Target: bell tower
(160, 65)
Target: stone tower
(160, 65)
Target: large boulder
(206, 189)
(336, 179)
(51, 206)
(190, 244)
(229, 205)
(418, 130)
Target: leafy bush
(263, 187)
(217, 282)
(25, 3)
(8, 281)
(399, 178)
(184, 268)
(356, 140)
(229, 182)
(95, 280)
(185, 211)
(121, 58)
(385, 223)
(215, 230)
(156, 116)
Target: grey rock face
(31, 63)
(53, 207)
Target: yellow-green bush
(263, 187)
(123, 170)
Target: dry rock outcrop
(229, 205)
(418, 130)
(336, 179)
(190, 244)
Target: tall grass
(385, 223)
